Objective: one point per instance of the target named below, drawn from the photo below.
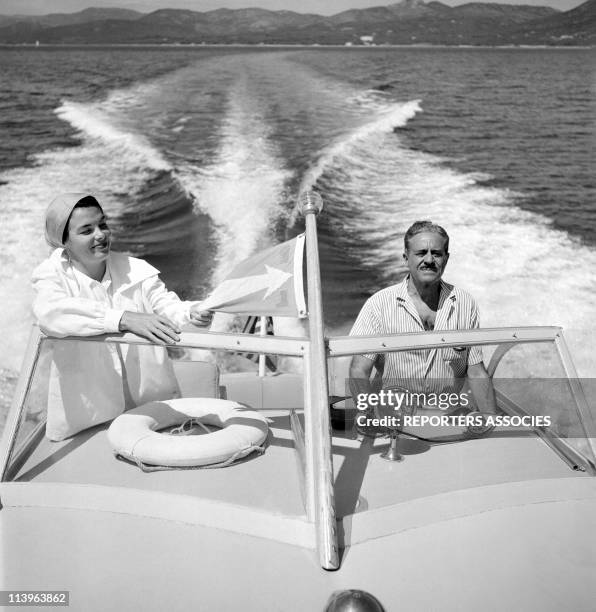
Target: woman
(83, 289)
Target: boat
(495, 521)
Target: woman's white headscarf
(57, 216)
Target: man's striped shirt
(392, 311)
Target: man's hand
(200, 318)
(482, 389)
(154, 327)
(360, 370)
(359, 382)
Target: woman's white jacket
(93, 382)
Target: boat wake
(376, 185)
(97, 124)
(242, 189)
(342, 150)
(201, 167)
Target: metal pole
(316, 416)
(262, 356)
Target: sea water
(199, 154)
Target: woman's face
(89, 236)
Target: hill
(406, 22)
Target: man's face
(426, 257)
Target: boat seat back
(197, 378)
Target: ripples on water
(199, 155)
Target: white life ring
(134, 436)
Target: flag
(268, 283)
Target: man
(421, 302)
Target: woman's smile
(89, 238)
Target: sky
(320, 7)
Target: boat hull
(536, 556)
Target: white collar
(122, 270)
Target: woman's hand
(200, 318)
(154, 327)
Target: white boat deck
(533, 558)
(446, 529)
(441, 530)
(255, 482)
(270, 483)
(365, 481)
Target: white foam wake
(386, 120)
(242, 189)
(97, 125)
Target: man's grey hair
(425, 226)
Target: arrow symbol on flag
(236, 288)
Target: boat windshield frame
(306, 443)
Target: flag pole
(320, 495)
(262, 356)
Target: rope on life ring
(135, 435)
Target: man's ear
(405, 256)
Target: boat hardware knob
(311, 202)
(392, 453)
